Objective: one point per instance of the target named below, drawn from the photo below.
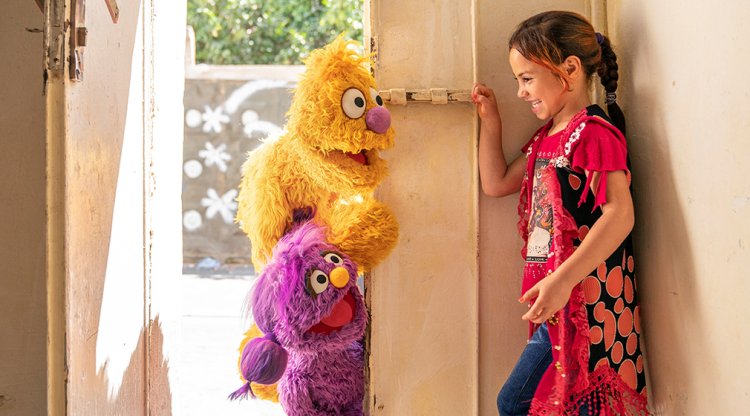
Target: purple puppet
(311, 311)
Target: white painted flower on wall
(215, 155)
(192, 168)
(253, 124)
(192, 220)
(193, 118)
(224, 205)
(213, 119)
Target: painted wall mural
(224, 119)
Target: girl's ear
(572, 66)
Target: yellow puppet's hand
(365, 230)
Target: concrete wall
(686, 97)
(228, 111)
(502, 333)
(23, 312)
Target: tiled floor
(212, 328)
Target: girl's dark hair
(548, 38)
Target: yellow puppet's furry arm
(365, 230)
(263, 208)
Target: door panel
(424, 296)
(107, 336)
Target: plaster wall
(424, 296)
(502, 333)
(686, 98)
(23, 312)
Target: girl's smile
(535, 104)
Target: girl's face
(538, 86)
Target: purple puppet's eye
(318, 281)
(334, 258)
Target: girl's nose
(521, 92)
(378, 119)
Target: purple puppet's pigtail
(263, 362)
(302, 215)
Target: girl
(576, 216)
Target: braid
(608, 74)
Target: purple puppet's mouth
(342, 314)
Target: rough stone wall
(224, 120)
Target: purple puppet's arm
(294, 396)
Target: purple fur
(324, 372)
(242, 392)
(302, 215)
(263, 361)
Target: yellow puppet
(326, 159)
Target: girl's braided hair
(548, 38)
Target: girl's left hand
(551, 294)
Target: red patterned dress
(596, 350)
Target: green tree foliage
(281, 32)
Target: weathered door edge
(55, 39)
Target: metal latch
(433, 95)
(79, 34)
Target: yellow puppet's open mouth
(357, 157)
(340, 157)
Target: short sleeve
(525, 148)
(528, 144)
(599, 149)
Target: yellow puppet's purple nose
(378, 119)
(339, 277)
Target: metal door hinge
(433, 95)
(79, 34)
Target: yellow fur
(306, 166)
(262, 391)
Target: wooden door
(114, 150)
(423, 297)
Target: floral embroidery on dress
(563, 161)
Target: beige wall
(23, 329)
(685, 96)
(685, 92)
(502, 333)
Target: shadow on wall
(665, 267)
(133, 380)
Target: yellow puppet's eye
(318, 281)
(376, 97)
(353, 103)
(334, 258)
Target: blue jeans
(516, 395)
